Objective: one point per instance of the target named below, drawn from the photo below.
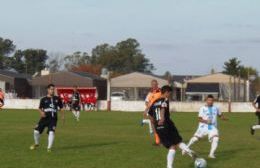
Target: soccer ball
(200, 163)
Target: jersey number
(157, 114)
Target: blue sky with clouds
(182, 36)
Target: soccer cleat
(212, 156)
(49, 150)
(252, 131)
(34, 147)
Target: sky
(180, 36)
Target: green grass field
(116, 140)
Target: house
(223, 87)
(135, 85)
(68, 79)
(15, 84)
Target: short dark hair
(166, 88)
(210, 97)
(75, 86)
(50, 85)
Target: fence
(136, 106)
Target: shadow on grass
(93, 145)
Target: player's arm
(203, 121)
(162, 119)
(42, 113)
(222, 116)
(254, 104)
(60, 104)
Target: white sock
(74, 113)
(51, 139)
(78, 114)
(36, 136)
(192, 141)
(186, 149)
(255, 127)
(214, 145)
(146, 121)
(170, 158)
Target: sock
(170, 158)
(150, 127)
(256, 127)
(214, 145)
(36, 136)
(186, 149)
(78, 114)
(146, 121)
(192, 141)
(51, 139)
(74, 113)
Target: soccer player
(153, 95)
(166, 129)
(49, 107)
(2, 98)
(75, 103)
(208, 115)
(256, 105)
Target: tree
(126, 56)
(232, 66)
(28, 61)
(55, 62)
(6, 47)
(76, 59)
(245, 72)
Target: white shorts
(204, 131)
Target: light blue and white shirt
(211, 114)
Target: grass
(116, 140)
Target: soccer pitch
(116, 140)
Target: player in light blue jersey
(208, 115)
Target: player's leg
(37, 133)
(170, 157)
(1, 104)
(200, 133)
(51, 134)
(256, 127)
(77, 109)
(214, 139)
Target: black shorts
(168, 134)
(75, 107)
(50, 123)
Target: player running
(2, 98)
(49, 107)
(208, 125)
(75, 103)
(168, 133)
(153, 95)
(256, 105)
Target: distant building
(15, 84)
(68, 79)
(223, 87)
(135, 85)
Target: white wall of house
(134, 106)
(2, 85)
